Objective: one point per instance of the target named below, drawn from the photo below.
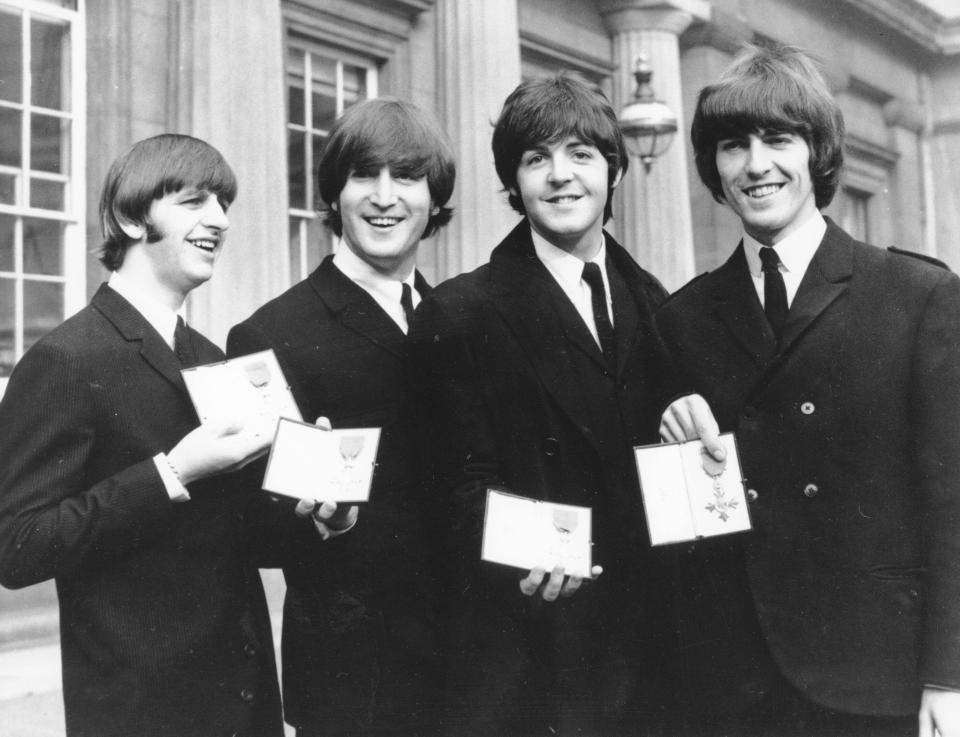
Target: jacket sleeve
(935, 405)
(54, 516)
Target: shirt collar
(795, 251)
(160, 317)
(365, 276)
(566, 268)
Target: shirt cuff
(171, 482)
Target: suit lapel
(357, 310)
(827, 277)
(548, 327)
(133, 327)
(736, 305)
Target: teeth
(383, 222)
(763, 191)
(205, 244)
(564, 200)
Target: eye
(731, 144)
(362, 174)
(532, 159)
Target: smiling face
(180, 241)
(766, 181)
(384, 216)
(564, 187)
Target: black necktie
(183, 345)
(406, 301)
(774, 290)
(598, 296)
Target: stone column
(653, 209)
(478, 66)
(227, 86)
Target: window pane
(295, 100)
(319, 243)
(11, 56)
(48, 143)
(324, 92)
(49, 63)
(10, 127)
(7, 307)
(296, 169)
(8, 189)
(68, 4)
(7, 223)
(42, 310)
(42, 247)
(354, 85)
(46, 195)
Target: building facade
(264, 79)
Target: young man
(109, 486)
(359, 634)
(537, 367)
(837, 364)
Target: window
(42, 258)
(321, 84)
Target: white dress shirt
(385, 291)
(795, 252)
(567, 271)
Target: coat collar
(357, 310)
(133, 327)
(737, 306)
(548, 326)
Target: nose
(383, 194)
(758, 158)
(214, 215)
(560, 170)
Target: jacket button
(808, 408)
(246, 694)
(752, 495)
(749, 412)
(551, 446)
(811, 490)
(249, 650)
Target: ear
(434, 210)
(616, 179)
(335, 205)
(133, 231)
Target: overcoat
(849, 435)
(359, 632)
(520, 397)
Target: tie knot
(592, 275)
(769, 259)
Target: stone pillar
(479, 65)
(227, 86)
(708, 50)
(653, 209)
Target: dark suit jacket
(850, 435)
(520, 397)
(354, 622)
(164, 626)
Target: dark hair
(549, 110)
(387, 132)
(777, 87)
(149, 170)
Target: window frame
(73, 214)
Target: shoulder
(633, 273)
(690, 293)
(453, 305)
(921, 256)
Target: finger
(706, 426)
(926, 725)
(670, 430)
(324, 423)
(571, 586)
(552, 590)
(596, 571)
(304, 508)
(530, 584)
(325, 511)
